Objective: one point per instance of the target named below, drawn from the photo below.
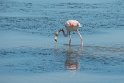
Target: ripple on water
(96, 59)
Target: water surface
(28, 50)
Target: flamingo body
(72, 25)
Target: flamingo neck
(64, 33)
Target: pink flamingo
(71, 25)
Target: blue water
(45, 17)
(27, 28)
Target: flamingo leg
(81, 38)
(69, 38)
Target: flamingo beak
(55, 39)
(56, 36)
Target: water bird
(70, 25)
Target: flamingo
(70, 25)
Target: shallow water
(27, 52)
(27, 46)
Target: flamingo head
(56, 36)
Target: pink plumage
(72, 25)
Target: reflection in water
(72, 58)
(72, 62)
(72, 54)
